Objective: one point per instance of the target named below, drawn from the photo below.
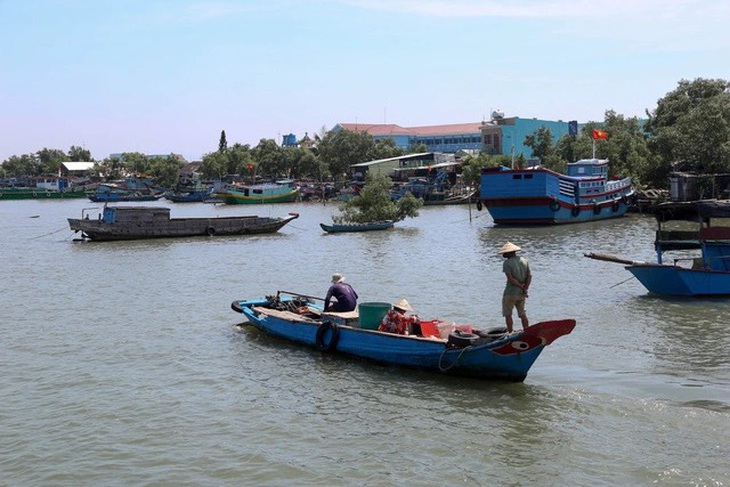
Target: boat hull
(507, 359)
(670, 280)
(99, 230)
(544, 197)
(38, 194)
(550, 211)
(273, 195)
(360, 227)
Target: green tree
(79, 154)
(375, 204)
(51, 159)
(166, 170)
(222, 143)
(136, 163)
(214, 165)
(239, 158)
(418, 148)
(385, 149)
(269, 158)
(339, 150)
(691, 124)
(301, 162)
(541, 143)
(18, 166)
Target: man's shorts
(511, 301)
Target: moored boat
(479, 354)
(356, 227)
(687, 275)
(132, 189)
(143, 222)
(259, 194)
(544, 197)
(43, 188)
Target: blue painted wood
(508, 357)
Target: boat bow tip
(549, 331)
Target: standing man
(519, 277)
(345, 296)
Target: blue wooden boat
(192, 195)
(357, 227)
(544, 197)
(481, 355)
(687, 275)
(132, 189)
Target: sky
(167, 76)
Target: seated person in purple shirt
(346, 297)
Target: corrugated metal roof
(78, 166)
(389, 159)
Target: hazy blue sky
(161, 76)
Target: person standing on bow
(517, 271)
(344, 295)
(396, 321)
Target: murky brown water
(121, 364)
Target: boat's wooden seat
(284, 315)
(349, 318)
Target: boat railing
(619, 184)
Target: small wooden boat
(705, 275)
(483, 355)
(143, 222)
(357, 227)
(544, 197)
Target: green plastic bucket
(371, 314)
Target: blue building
(506, 135)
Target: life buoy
(210, 231)
(322, 332)
(575, 211)
(479, 205)
(596, 209)
(48, 194)
(554, 205)
(35, 194)
(615, 206)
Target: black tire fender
(596, 209)
(210, 231)
(479, 205)
(615, 206)
(554, 204)
(575, 211)
(322, 332)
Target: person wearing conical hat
(396, 321)
(344, 295)
(517, 270)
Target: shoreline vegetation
(688, 131)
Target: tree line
(689, 129)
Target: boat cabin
(135, 214)
(714, 240)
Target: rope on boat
(626, 280)
(456, 360)
(47, 234)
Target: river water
(122, 363)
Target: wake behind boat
(142, 222)
(478, 354)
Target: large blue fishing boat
(539, 196)
(493, 354)
(687, 275)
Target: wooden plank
(284, 315)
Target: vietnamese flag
(600, 134)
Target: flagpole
(594, 148)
